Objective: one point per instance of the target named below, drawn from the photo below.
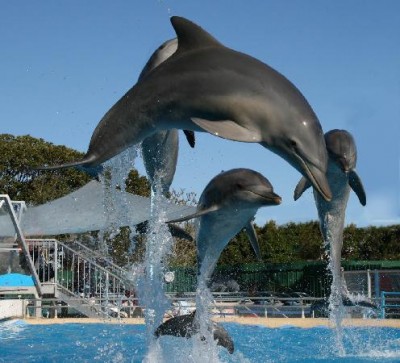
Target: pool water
(21, 342)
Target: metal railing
(390, 304)
(83, 280)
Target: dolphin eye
(293, 143)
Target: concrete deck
(268, 322)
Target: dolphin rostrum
(227, 205)
(342, 176)
(160, 150)
(205, 86)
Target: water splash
(333, 238)
(151, 287)
(204, 346)
(113, 180)
(149, 277)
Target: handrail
(81, 255)
(385, 305)
(76, 273)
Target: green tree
(19, 155)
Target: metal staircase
(67, 272)
(80, 277)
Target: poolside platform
(267, 322)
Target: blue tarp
(12, 280)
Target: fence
(310, 277)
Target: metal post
(22, 243)
(369, 284)
(55, 265)
(383, 305)
(377, 283)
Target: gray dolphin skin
(342, 177)
(160, 150)
(205, 86)
(186, 326)
(227, 205)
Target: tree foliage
(288, 243)
(20, 155)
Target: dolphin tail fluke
(301, 187)
(83, 165)
(356, 184)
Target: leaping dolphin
(160, 150)
(342, 176)
(228, 204)
(205, 86)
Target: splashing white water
(151, 287)
(113, 179)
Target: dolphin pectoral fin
(251, 233)
(179, 232)
(301, 187)
(227, 129)
(195, 215)
(190, 137)
(356, 184)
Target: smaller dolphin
(160, 150)
(228, 204)
(341, 175)
(186, 326)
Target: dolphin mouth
(318, 180)
(270, 197)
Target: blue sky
(65, 63)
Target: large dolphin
(342, 177)
(205, 86)
(160, 150)
(228, 204)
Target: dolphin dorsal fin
(191, 36)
